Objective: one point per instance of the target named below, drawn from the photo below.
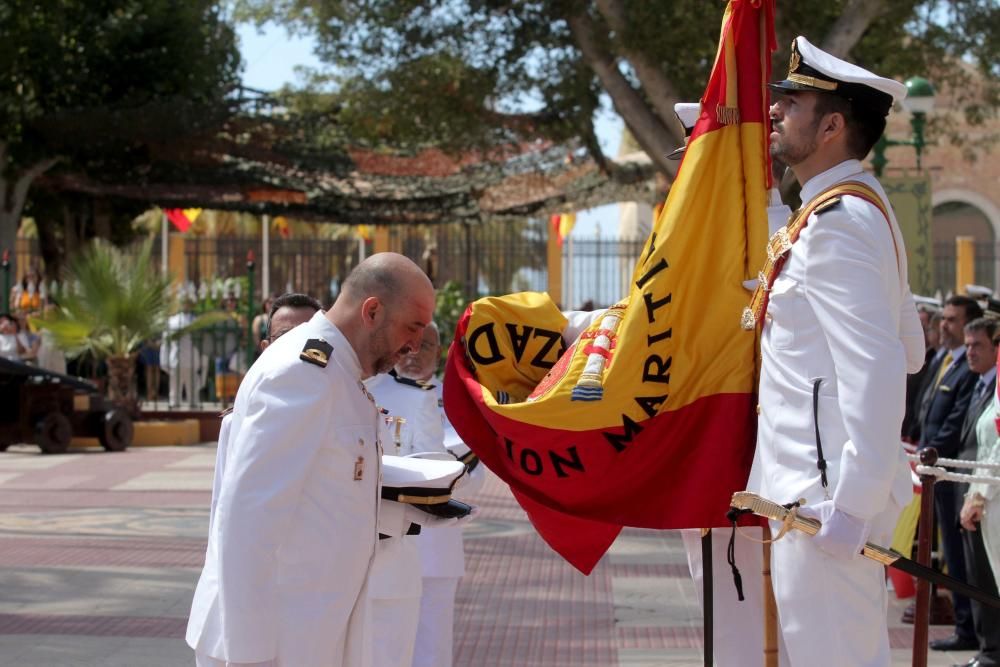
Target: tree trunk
(121, 380)
(48, 245)
(652, 134)
(852, 24)
(14, 186)
(658, 89)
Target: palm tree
(113, 301)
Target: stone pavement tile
(90, 552)
(142, 592)
(91, 522)
(654, 602)
(674, 657)
(199, 460)
(77, 651)
(169, 480)
(28, 457)
(31, 499)
(7, 476)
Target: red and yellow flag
(648, 418)
(182, 218)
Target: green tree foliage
(464, 73)
(96, 83)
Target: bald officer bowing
(840, 332)
(295, 524)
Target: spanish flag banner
(182, 218)
(647, 418)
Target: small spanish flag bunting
(562, 225)
(182, 218)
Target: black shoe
(954, 643)
(972, 663)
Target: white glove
(750, 285)
(842, 535)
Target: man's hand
(972, 511)
(842, 535)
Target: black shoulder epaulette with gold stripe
(419, 384)
(316, 351)
(827, 205)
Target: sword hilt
(745, 500)
(755, 504)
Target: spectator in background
(13, 343)
(285, 313)
(981, 352)
(916, 383)
(981, 510)
(149, 358)
(258, 328)
(943, 411)
(50, 357)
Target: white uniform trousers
(738, 627)
(395, 628)
(435, 632)
(832, 612)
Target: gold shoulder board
(316, 351)
(827, 205)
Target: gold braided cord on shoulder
(783, 240)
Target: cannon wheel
(53, 433)
(116, 430)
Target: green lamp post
(919, 101)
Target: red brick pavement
(519, 605)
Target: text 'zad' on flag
(647, 418)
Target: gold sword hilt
(789, 518)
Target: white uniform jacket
(840, 311)
(294, 526)
(441, 551)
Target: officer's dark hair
(973, 311)
(293, 300)
(289, 300)
(987, 325)
(863, 125)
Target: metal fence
(944, 265)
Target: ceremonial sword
(751, 502)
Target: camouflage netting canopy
(266, 160)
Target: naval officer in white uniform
(738, 625)
(294, 528)
(840, 332)
(411, 392)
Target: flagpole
(265, 257)
(164, 243)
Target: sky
(270, 57)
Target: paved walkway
(99, 554)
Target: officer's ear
(262, 345)
(371, 310)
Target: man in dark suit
(944, 408)
(981, 353)
(917, 383)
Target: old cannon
(48, 409)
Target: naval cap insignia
(795, 59)
(316, 351)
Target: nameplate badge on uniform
(316, 351)
(359, 469)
